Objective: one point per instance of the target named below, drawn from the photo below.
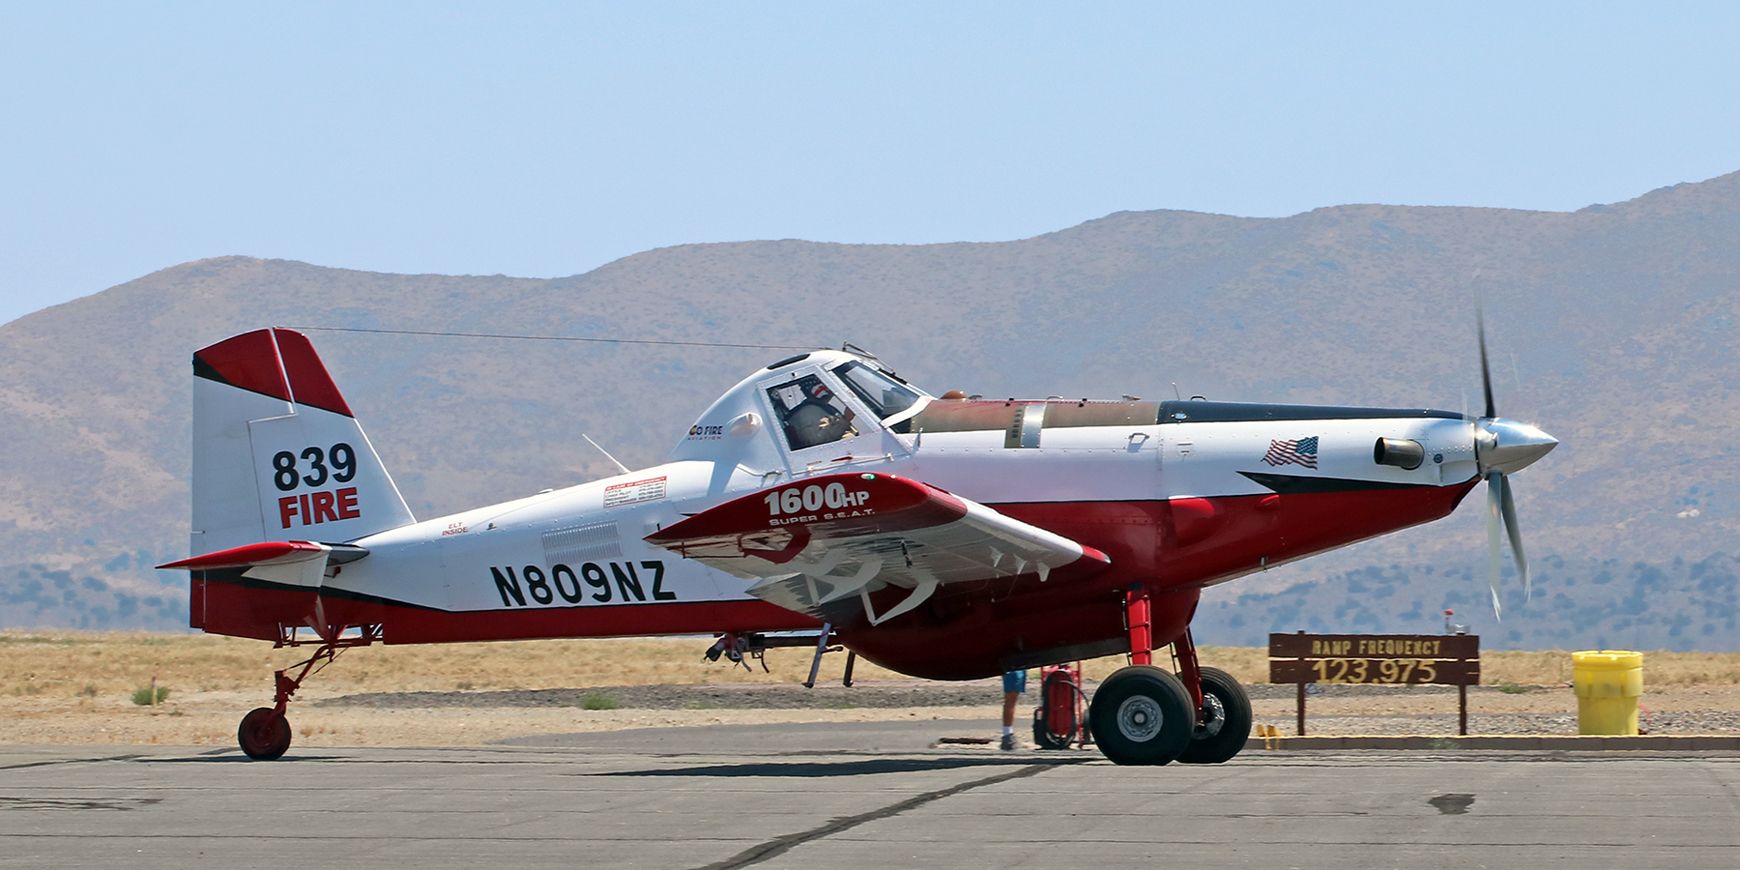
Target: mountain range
(1612, 326)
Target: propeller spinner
(1502, 447)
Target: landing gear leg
(264, 734)
(1141, 714)
(1184, 660)
(1223, 721)
(1138, 621)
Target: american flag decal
(1300, 452)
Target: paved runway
(787, 796)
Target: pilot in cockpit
(812, 415)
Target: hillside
(1613, 326)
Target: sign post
(1380, 659)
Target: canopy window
(885, 396)
(810, 413)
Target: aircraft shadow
(859, 767)
(240, 759)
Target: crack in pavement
(58, 761)
(780, 845)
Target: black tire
(1226, 721)
(1141, 715)
(263, 735)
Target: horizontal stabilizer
(299, 563)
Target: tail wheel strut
(264, 734)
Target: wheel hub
(1140, 718)
(1213, 717)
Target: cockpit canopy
(812, 414)
(808, 401)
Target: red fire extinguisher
(1060, 720)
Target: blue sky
(548, 139)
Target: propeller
(1501, 447)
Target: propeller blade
(1508, 506)
(1494, 482)
(1485, 370)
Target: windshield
(885, 396)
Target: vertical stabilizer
(277, 454)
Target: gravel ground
(1334, 709)
(751, 696)
(669, 697)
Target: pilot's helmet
(813, 423)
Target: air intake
(1398, 452)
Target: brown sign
(1392, 659)
(1396, 671)
(1413, 646)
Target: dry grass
(64, 664)
(77, 687)
(87, 665)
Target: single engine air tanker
(944, 537)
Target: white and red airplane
(942, 537)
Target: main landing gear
(264, 734)
(1143, 714)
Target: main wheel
(1141, 715)
(1226, 720)
(263, 735)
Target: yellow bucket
(1607, 683)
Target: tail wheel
(1226, 720)
(1141, 715)
(264, 734)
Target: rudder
(277, 453)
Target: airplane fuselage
(944, 537)
(1193, 495)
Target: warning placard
(634, 492)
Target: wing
(837, 539)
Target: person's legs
(1014, 684)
